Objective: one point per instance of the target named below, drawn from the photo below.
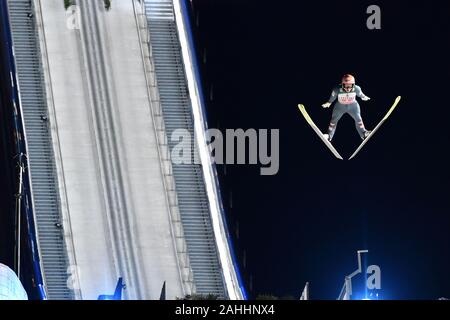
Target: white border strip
(229, 273)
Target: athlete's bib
(347, 97)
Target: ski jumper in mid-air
(346, 95)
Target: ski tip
(354, 154)
(397, 100)
(301, 106)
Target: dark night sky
(306, 222)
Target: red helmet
(348, 81)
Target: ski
(319, 133)
(397, 100)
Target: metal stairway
(40, 150)
(189, 180)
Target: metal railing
(186, 273)
(24, 205)
(230, 269)
(189, 180)
(43, 190)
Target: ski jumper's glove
(365, 98)
(326, 105)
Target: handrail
(233, 281)
(155, 103)
(68, 236)
(21, 149)
(18, 197)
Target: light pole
(346, 290)
(18, 196)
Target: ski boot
(366, 134)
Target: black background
(262, 58)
